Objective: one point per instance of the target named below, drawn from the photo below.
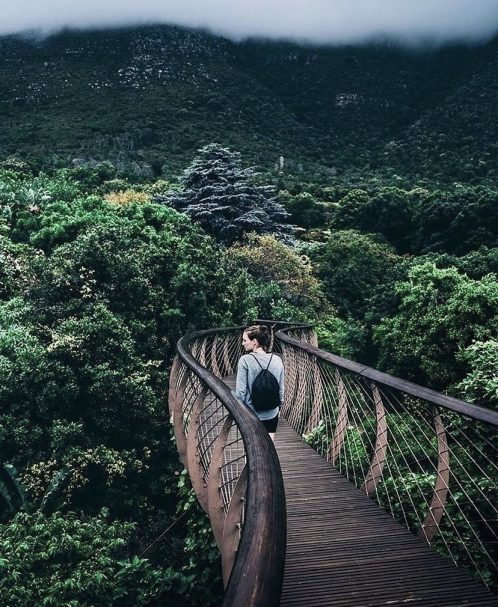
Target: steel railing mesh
(434, 470)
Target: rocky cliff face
(149, 97)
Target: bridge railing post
(428, 459)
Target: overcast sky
(320, 21)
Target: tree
(459, 220)
(288, 269)
(219, 194)
(347, 212)
(440, 313)
(352, 267)
(304, 210)
(388, 211)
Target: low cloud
(316, 21)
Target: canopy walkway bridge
(377, 491)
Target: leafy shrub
(66, 560)
(304, 210)
(480, 385)
(124, 197)
(441, 312)
(352, 266)
(269, 260)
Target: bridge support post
(175, 399)
(193, 457)
(233, 527)
(342, 421)
(431, 523)
(374, 473)
(215, 502)
(214, 357)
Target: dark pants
(270, 424)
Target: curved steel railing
(429, 459)
(233, 466)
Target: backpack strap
(269, 362)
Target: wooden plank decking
(343, 550)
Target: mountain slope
(146, 98)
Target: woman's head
(256, 336)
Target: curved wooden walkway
(344, 551)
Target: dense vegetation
(147, 98)
(376, 226)
(94, 296)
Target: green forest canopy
(98, 279)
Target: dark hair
(261, 333)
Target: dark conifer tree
(221, 195)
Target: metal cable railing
(233, 467)
(428, 459)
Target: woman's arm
(281, 384)
(241, 387)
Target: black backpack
(265, 392)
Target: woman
(256, 342)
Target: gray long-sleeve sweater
(247, 370)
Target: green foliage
(15, 270)
(22, 197)
(67, 560)
(345, 338)
(388, 211)
(102, 476)
(455, 220)
(52, 497)
(352, 266)
(16, 165)
(441, 312)
(347, 212)
(304, 210)
(318, 437)
(475, 264)
(270, 262)
(89, 178)
(94, 298)
(13, 493)
(120, 286)
(480, 385)
(406, 496)
(458, 220)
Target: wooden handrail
(257, 574)
(426, 394)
